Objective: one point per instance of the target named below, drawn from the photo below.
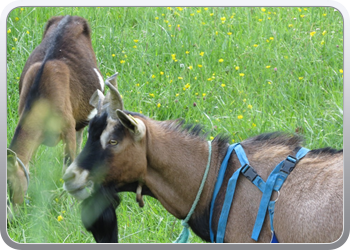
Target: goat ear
(96, 97)
(135, 125)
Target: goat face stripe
(107, 133)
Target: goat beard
(98, 213)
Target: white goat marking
(106, 133)
(92, 114)
(100, 78)
(80, 186)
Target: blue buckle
(249, 172)
(289, 164)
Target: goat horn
(115, 99)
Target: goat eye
(113, 142)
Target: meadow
(240, 71)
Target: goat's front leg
(79, 140)
(70, 141)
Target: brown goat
(126, 150)
(57, 81)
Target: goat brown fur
(55, 86)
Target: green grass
(292, 82)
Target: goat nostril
(68, 176)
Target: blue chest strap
(273, 183)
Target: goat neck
(175, 172)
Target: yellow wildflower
(211, 138)
(268, 66)
(122, 61)
(177, 95)
(151, 95)
(263, 9)
(312, 33)
(223, 19)
(59, 218)
(240, 117)
(161, 73)
(223, 85)
(229, 33)
(190, 67)
(241, 74)
(301, 78)
(250, 106)
(237, 68)
(187, 52)
(341, 71)
(158, 105)
(324, 32)
(9, 31)
(201, 54)
(255, 45)
(200, 66)
(180, 78)
(221, 60)
(290, 25)
(204, 94)
(260, 20)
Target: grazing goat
(127, 151)
(57, 81)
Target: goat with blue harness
(176, 165)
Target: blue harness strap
(218, 184)
(274, 182)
